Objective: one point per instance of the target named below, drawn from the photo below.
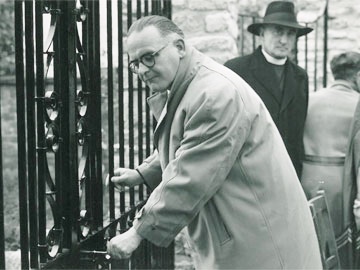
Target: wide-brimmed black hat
(280, 13)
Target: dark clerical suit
(287, 106)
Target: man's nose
(284, 38)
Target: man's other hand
(123, 245)
(124, 177)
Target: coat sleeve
(215, 128)
(150, 170)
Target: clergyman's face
(278, 41)
(148, 41)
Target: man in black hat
(281, 84)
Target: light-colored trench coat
(327, 128)
(225, 175)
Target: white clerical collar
(273, 60)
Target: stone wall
(209, 25)
(214, 27)
(217, 28)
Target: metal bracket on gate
(101, 259)
(81, 12)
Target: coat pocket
(221, 231)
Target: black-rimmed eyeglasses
(147, 60)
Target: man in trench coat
(220, 169)
(330, 113)
(280, 83)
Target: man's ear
(180, 45)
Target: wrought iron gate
(76, 103)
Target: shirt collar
(273, 60)
(345, 84)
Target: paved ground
(183, 259)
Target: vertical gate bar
(97, 191)
(89, 40)
(155, 7)
(242, 35)
(140, 113)
(87, 43)
(41, 144)
(169, 252)
(131, 111)
(326, 16)
(158, 7)
(147, 108)
(306, 51)
(140, 260)
(167, 9)
(110, 85)
(31, 138)
(20, 110)
(70, 93)
(121, 99)
(67, 32)
(2, 229)
(59, 196)
(253, 36)
(147, 245)
(316, 55)
(124, 264)
(146, 7)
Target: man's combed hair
(163, 24)
(345, 65)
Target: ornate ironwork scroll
(49, 142)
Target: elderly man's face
(278, 41)
(148, 46)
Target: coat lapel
(265, 75)
(158, 106)
(290, 85)
(187, 70)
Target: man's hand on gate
(121, 246)
(126, 177)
